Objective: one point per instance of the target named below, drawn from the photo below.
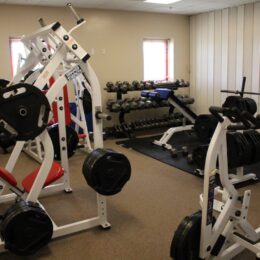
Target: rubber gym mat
(145, 146)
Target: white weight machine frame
(79, 68)
(44, 47)
(232, 227)
(187, 113)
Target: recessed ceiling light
(163, 2)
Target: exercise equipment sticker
(72, 74)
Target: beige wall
(115, 36)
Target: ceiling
(182, 7)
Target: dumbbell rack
(124, 129)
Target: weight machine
(167, 94)
(205, 235)
(26, 109)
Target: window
(158, 59)
(17, 51)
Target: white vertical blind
(225, 46)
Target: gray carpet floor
(143, 216)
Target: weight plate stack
(250, 105)
(205, 126)
(106, 171)
(186, 241)
(199, 155)
(26, 228)
(253, 138)
(239, 150)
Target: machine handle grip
(216, 111)
(76, 16)
(233, 114)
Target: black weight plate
(233, 151)
(106, 171)
(72, 140)
(199, 155)
(205, 126)
(246, 148)
(186, 240)
(26, 228)
(235, 101)
(253, 138)
(20, 107)
(251, 105)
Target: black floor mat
(145, 146)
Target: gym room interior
(142, 143)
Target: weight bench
(55, 173)
(168, 94)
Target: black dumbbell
(131, 87)
(164, 103)
(116, 106)
(148, 103)
(125, 107)
(135, 84)
(118, 84)
(109, 86)
(113, 106)
(141, 103)
(141, 85)
(124, 87)
(118, 129)
(183, 151)
(133, 104)
(149, 85)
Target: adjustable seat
(55, 173)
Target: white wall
(225, 46)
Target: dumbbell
(183, 151)
(109, 104)
(135, 84)
(118, 84)
(130, 87)
(141, 103)
(124, 87)
(110, 87)
(146, 85)
(176, 83)
(149, 85)
(113, 106)
(138, 125)
(133, 104)
(164, 103)
(148, 103)
(125, 107)
(141, 85)
(118, 129)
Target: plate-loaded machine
(26, 226)
(220, 230)
(43, 47)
